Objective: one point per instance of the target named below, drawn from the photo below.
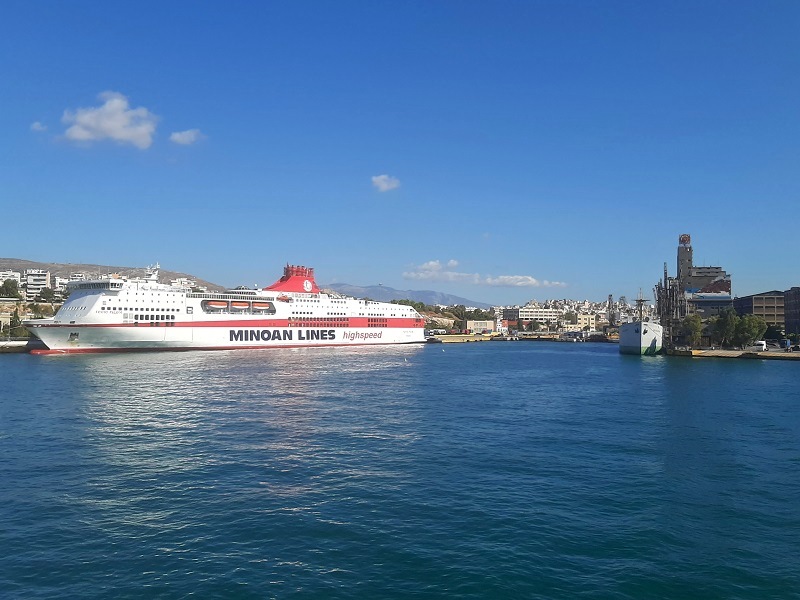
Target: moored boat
(642, 336)
(116, 314)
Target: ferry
(118, 313)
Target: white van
(760, 346)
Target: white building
(542, 315)
(35, 281)
(15, 275)
(183, 282)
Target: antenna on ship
(640, 305)
(151, 273)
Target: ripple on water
(487, 470)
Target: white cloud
(384, 183)
(520, 281)
(186, 138)
(37, 126)
(113, 120)
(433, 270)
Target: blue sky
(501, 151)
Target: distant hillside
(374, 292)
(386, 294)
(66, 269)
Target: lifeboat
(239, 305)
(262, 305)
(284, 298)
(215, 304)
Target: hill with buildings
(65, 270)
(375, 292)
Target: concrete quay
(768, 355)
(459, 338)
(20, 346)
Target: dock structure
(455, 338)
(745, 354)
(19, 345)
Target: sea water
(480, 470)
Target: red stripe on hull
(399, 323)
(49, 352)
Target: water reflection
(186, 416)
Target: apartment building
(15, 275)
(35, 281)
(542, 315)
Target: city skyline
(498, 153)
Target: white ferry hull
(642, 338)
(72, 339)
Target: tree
(773, 332)
(725, 326)
(10, 289)
(418, 306)
(479, 315)
(15, 325)
(459, 312)
(46, 295)
(692, 329)
(40, 311)
(749, 329)
(571, 318)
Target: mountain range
(379, 293)
(383, 293)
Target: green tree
(46, 295)
(479, 315)
(692, 329)
(571, 318)
(749, 329)
(418, 306)
(725, 326)
(773, 332)
(10, 289)
(15, 325)
(459, 313)
(40, 311)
